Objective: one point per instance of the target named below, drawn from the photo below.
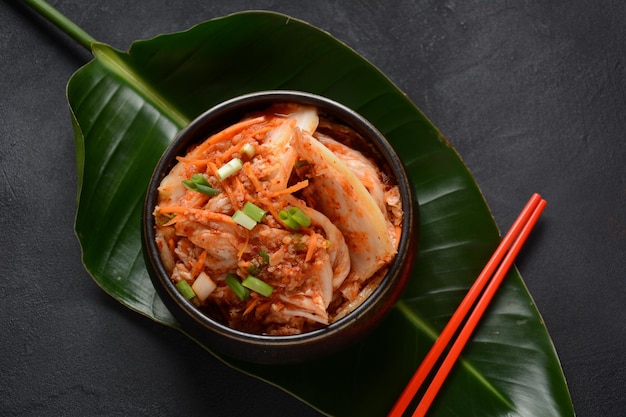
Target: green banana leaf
(126, 108)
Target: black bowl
(293, 348)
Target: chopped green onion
(299, 216)
(248, 150)
(288, 220)
(244, 220)
(185, 289)
(257, 285)
(265, 256)
(240, 291)
(190, 184)
(249, 215)
(200, 179)
(200, 184)
(229, 168)
(301, 163)
(294, 218)
(253, 211)
(253, 269)
(206, 189)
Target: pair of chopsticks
(500, 262)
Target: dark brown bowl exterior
(293, 348)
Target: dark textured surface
(531, 94)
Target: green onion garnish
(244, 220)
(265, 256)
(288, 220)
(240, 291)
(200, 184)
(258, 285)
(249, 215)
(253, 269)
(299, 216)
(206, 189)
(200, 179)
(185, 289)
(294, 218)
(253, 211)
(229, 168)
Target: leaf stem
(62, 22)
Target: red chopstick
(508, 249)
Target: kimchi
(279, 224)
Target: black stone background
(530, 93)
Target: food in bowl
(279, 224)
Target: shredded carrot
(290, 190)
(245, 245)
(263, 306)
(211, 169)
(174, 220)
(263, 130)
(312, 245)
(253, 178)
(199, 264)
(206, 214)
(274, 212)
(262, 198)
(194, 199)
(230, 194)
(251, 304)
(259, 130)
(226, 134)
(173, 210)
(192, 161)
(235, 148)
(240, 189)
(231, 131)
